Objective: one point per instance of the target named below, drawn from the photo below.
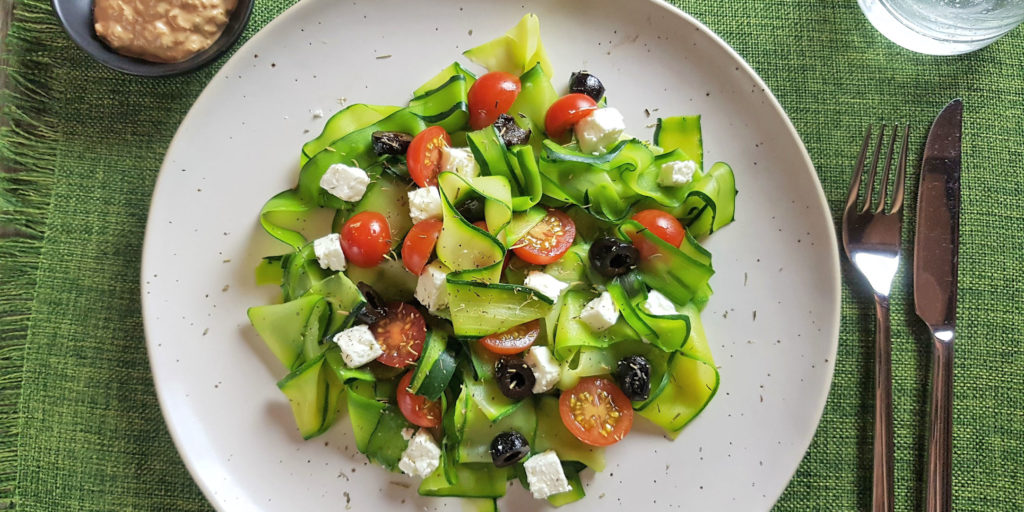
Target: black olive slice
(585, 83)
(612, 257)
(375, 308)
(515, 377)
(634, 376)
(390, 143)
(471, 209)
(507, 448)
(511, 133)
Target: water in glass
(943, 27)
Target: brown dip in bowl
(77, 18)
(161, 30)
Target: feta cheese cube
(546, 370)
(422, 456)
(599, 130)
(600, 313)
(659, 305)
(345, 182)
(545, 476)
(676, 173)
(328, 252)
(358, 346)
(431, 288)
(424, 203)
(545, 283)
(459, 161)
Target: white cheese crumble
(546, 370)
(459, 161)
(598, 130)
(600, 313)
(545, 476)
(659, 305)
(431, 287)
(545, 283)
(676, 173)
(358, 346)
(345, 182)
(424, 203)
(422, 456)
(328, 252)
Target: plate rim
(172, 426)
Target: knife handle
(940, 442)
(882, 479)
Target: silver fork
(871, 238)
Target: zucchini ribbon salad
(510, 278)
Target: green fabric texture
(80, 427)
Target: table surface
(80, 427)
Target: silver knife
(936, 250)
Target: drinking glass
(943, 27)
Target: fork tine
(851, 196)
(869, 192)
(901, 171)
(883, 190)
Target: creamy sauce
(161, 30)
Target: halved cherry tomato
(596, 411)
(482, 224)
(514, 340)
(661, 224)
(424, 155)
(419, 244)
(417, 409)
(366, 238)
(491, 96)
(548, 240)
(401, 334)
(567, 111)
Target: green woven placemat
(80, 428)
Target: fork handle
(882, 479)
(940, 444)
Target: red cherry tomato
(482, 224)
(549, 240)
(419, 244)
(661, 224)
(417, 409)
(567, 111)
(490, 96)
(401, 334)
(366, 239)
(514, 340)
(596, 411)
(424, 155)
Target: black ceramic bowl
(76, 16)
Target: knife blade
(936, 255)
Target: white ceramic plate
(773, 321)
